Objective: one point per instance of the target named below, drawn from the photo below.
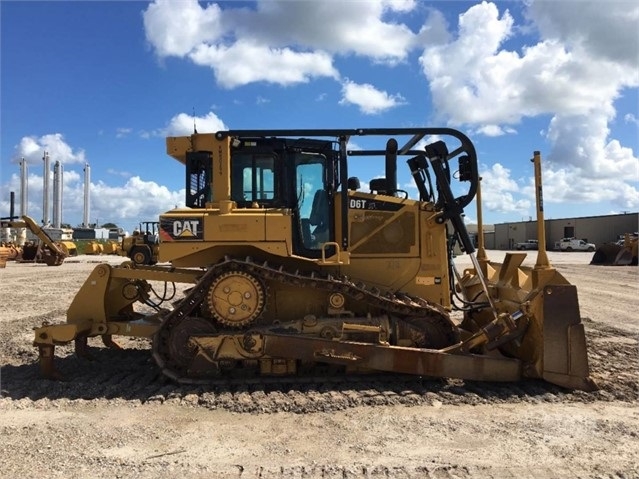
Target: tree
(109, 225)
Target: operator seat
(319, 216)
(319, 209)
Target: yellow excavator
(288, 266)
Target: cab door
(313, 204)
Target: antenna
(194, 127)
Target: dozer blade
(565, 359)
(611, 254)
(541, 304)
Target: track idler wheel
(181, 351)
(236, 298)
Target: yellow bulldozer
(289, 267)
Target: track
(430, 320)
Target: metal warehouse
(594, 229)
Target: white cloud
(124, 174)
(122, 132)
(32, 149)
(136, 200)
(569, 186)
(247, 62)
(582, 142)
(183, 124)
(399, 5)
(284, 42)
(434, 31)
(607, 31)
(353, 27)
(630, 118)
(356, 27)
(369, 100)
(495, 130)
(498, 191)
(474, 80)
(175, 27)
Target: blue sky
(103, 83)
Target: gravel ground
(117, 417)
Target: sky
(103, 84)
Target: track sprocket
(236, 298)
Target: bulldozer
(142, 246)
(289, 267)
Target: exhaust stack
(391, 165)
(24, 188)
(45, 189)
(87, 183)
(57, 194)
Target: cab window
(254, 178)
(312, 200)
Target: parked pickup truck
(572, 244)
(528, 244)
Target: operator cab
(300, 175)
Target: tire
(141, 255)
(591, 249)
(569, 249)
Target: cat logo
(186, 228)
